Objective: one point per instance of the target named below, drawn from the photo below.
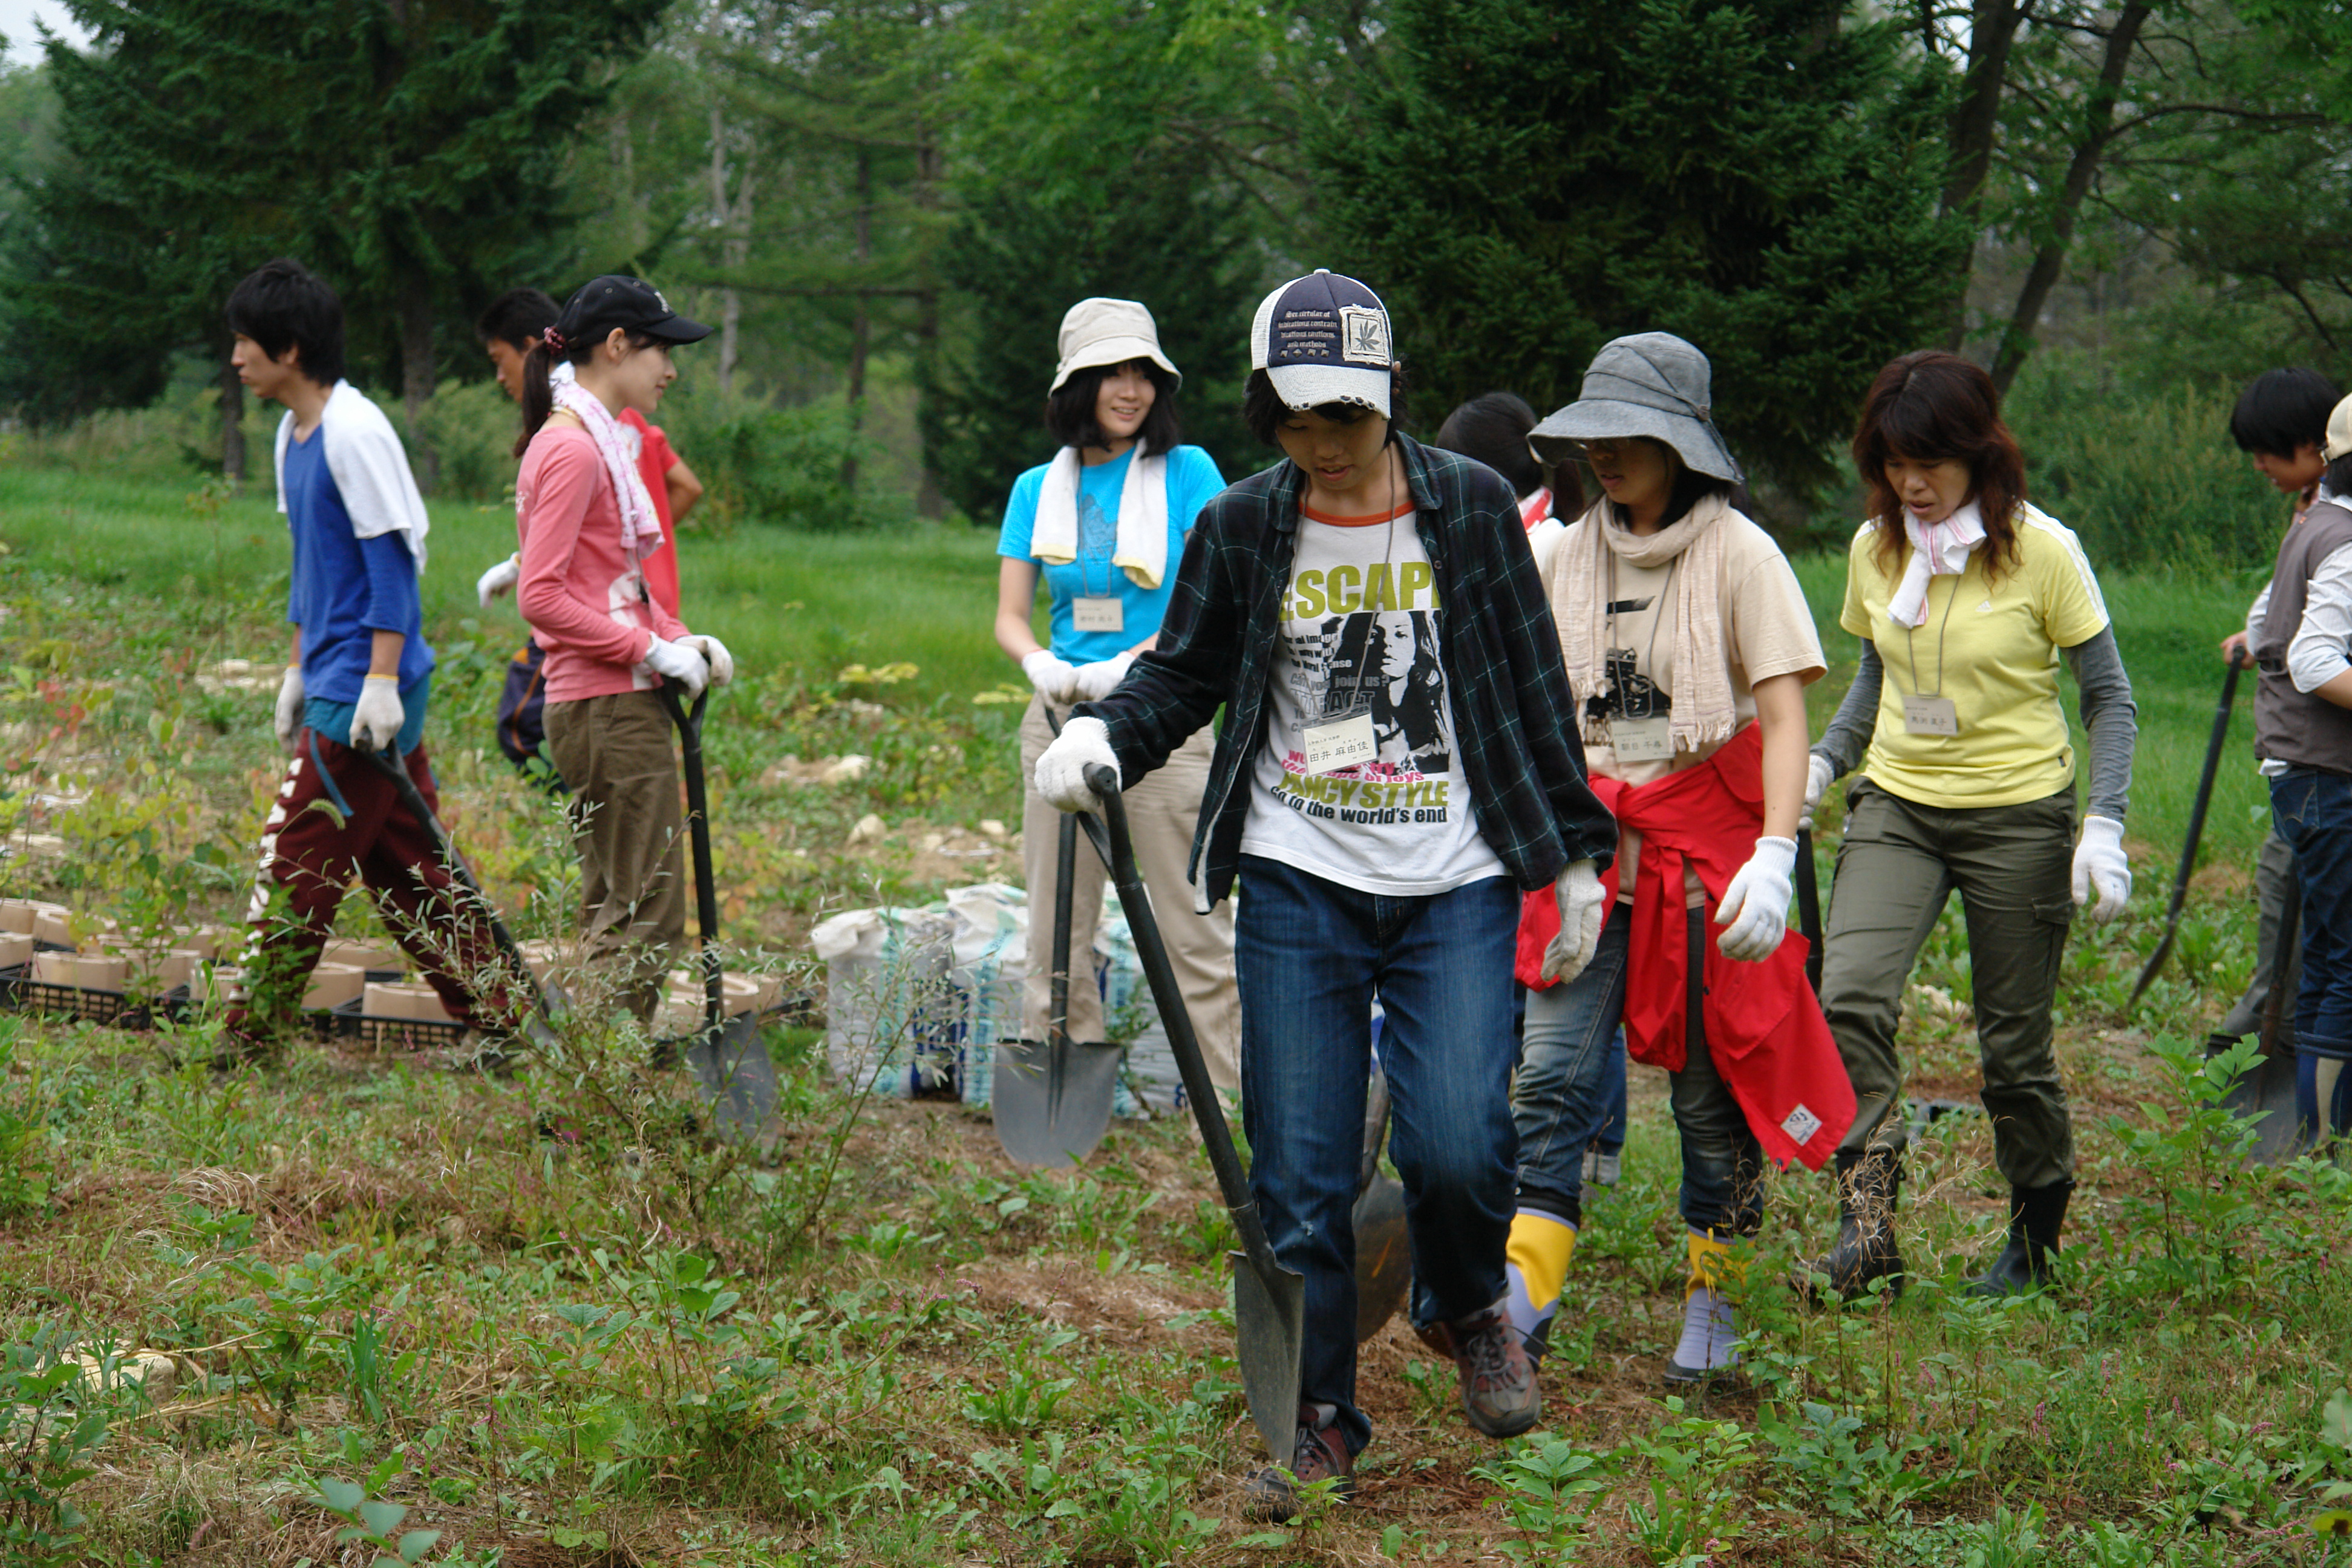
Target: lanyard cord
(1911, 643)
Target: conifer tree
(1759, 176)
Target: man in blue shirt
(359, 677)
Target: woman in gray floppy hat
(1684, 633)
(1104, 524)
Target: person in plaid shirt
(1399, 758)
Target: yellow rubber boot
(1709, 1348)
(1536, 1261)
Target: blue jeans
(2313, 812)
(1571, 1082)
(1565, 1096)
(1309, 954)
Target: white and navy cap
(1324, 338)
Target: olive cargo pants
(2012, 867)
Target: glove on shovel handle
(1207, 1109)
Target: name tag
(1338, 744)
(1930, 716)
(1642, 740)
(1093, 613)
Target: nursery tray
(395, 1034)
(121, 1009)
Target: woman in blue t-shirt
(1104, 523)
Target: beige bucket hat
(1107, 332)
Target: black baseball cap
(630, 303)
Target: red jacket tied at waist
(1764, 1027)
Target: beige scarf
(1703, 713)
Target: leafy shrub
(2148, 481)
(762, 463)
(470, 428)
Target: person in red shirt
(515, 324)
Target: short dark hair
(283, 304)
(1263, 409)
(1493, 429)
(518, 316)
(2283, 410)
(2337, 478)
(1070, 409)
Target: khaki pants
(1160, 812)
(2011, 866)
(616, 754)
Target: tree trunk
(861, 325)
(232, 419)
(1974, 125)
(2050, 259)
(929, 501)
(417, 375)
(730, 251)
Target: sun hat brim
(1695, 441)
(1112, 350)
(1303, 387)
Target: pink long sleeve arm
(563, 478)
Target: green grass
(925, 595)
(877, 1342)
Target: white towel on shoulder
(1938, 550)
(1142, 548)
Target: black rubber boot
(2035, 1216)
(1869, 1184)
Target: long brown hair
(1933, 408)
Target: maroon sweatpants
(336, 814)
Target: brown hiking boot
(1499, 1392)
(1320, 1455)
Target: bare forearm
(1781, 716)
(383, 652)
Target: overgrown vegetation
(313, 1308)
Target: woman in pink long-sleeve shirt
(585, 526)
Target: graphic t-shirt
(1992, 648)
(1192, 479)
(1359, 637)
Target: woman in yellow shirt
(1966, 598)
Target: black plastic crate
(119, 1009)
(376, 1034)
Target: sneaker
(1499, 1392)
(1320, 1455)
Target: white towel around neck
(1938, 550)
(1142, 548)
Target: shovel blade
(1052, 1102)
(2268, 1092)
(1383, 1255)
(733, 1066)
(1269, 1331)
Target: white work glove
(289, 705)
(1062, 769)
(1819, 775)
(714, 654)
(2101, 872)
(1579, 894)
(496, 583)
(376, 721)
(1093, 682)
(1756, 905)
(1055, 679)
(677, 661)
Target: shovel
(547, 1002)
(1269, 1301)
(2268, 1091)
(1052, 1101)
(729, 1058)
(1809, 908)
(1383, 1247)
(2148, 971)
